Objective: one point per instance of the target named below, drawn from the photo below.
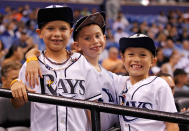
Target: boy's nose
(57, 33)
(95, 40)
(136, 58)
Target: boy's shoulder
(159, 84)
(160, 81)
(119, 79)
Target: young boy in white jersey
(64, 74)
(90, 40)
(141, 90)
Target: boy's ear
(105, 38)
(38, 31)
(122, 56)
(71, 31)
(154, 61)
(76, 46)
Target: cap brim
(96, 18)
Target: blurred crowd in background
(169, 30)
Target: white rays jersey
(105, 79)
(152, 93)
(75, 79)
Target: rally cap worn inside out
(137, 41)
(54, 12)
(96, 18)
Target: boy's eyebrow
(87, 34)
(52, 25)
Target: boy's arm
(32, 67)
(171, 126)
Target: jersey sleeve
(93, 90)
(118, 85)
(165, 98)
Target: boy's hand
(33, 68)
(32, 73)
(19, 93)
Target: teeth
(95, 48)
(136, 66)
(57, 40)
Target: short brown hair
(11, 65)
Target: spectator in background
(85, 12)
(76, 15)
(135, 27)
(168, 28)
(113, 63)
(8, 36)
(12, 119)
(183, 36)
(161, 59)
(185, 48)
(173, 34)
(162, 18)
(143, 28)
(181, 80)
(94, 10)
(20, 28)
(169, 67)
(119, 34)
(9, 72)
(123, 18)
(109, 36)
(154, 29)
(25, 41)
(168, 48)
(112, 8)
(184, 60)
(15, 53)
(161, 38)
(118, 24)
(3, 52)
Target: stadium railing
(96, 108)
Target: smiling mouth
(96, 48)
(57, 41)
(136, 67)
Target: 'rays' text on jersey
(132, 103)
(62, 87)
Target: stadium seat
(182, 102)
(13, 117)
(184, 127)
(181, 93)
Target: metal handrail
(96, 108)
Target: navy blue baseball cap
(137, 41)
(54, 12)
(97, 18)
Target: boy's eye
(63, 28)
(130, 54)
(142, 54)
(50, 28)
(87, 38)
(97, 36)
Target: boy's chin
(136, 74)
